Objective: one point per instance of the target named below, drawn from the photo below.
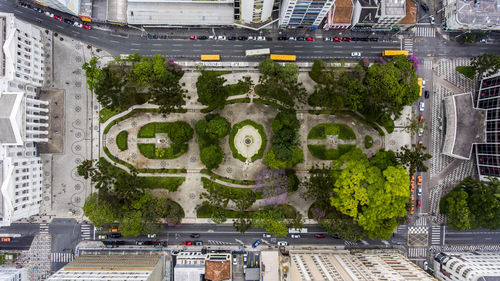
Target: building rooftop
(343, 11)
(9, 108)
(369, 11)
(114, 263)
(411, 13)
(484, 12)
(217, 270)
(252, 274)
(394, 7)
(269, 264)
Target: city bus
(210, 57)
(420, 82)
(257, 52)
(284, 57)
(388, 53)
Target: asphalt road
(475, 236)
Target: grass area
(205, 211)
(106, 113)
(368, 141)
(353, 114)
(320, 151)
(169, 183)
(151, 129)
(121, 140)
(322, 130)
(134, 112)
(388, 125)
(228, 180)
(152, 171)
(262, 134)
(236, 89)
(468, 71)
(149, 150)
(230, 192)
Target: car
(114, 235)
(426, 265)
(412, 197)
(235, 261)
(419, 180)
(58, 18)
(426, 94)
(412, 188)
(86, 26)
(424, 6)
(242, 38)
(301, 38)
(356, 39)
(374, 39)
(120, 242)
(420, 118)
(221, 37)
(192, 37)
(364, 39)
(419, 203)
(355, 54)
(420, 143)
(212, 37)
(110, 244)
(419, 191)
(346, 39)
(245, 258)
(188, 243)
(423, 83)
(261, 38)
(77, 24)
(203, 37)
(38, 9)
(327, 39)
(114, 230)
(310, 38)
(412, 209)
(6, 239)
(140, 243)
(152, 235)
(420, 132)
(432, 19)
(49, 14)
(252, 38)
(68, 21)
(282, 38)
(295, 236)
(269, 39)
(198, 243)
(266, 235)
(232, 38)
(319, 236)
(164, 243)
(291, 38)
(194, 235)
(421, 106)
(256, 243)
(282, 243)
(101, 236)
(412, 178)
(337, 39)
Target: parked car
(374, 39)
(58, 18)
(261, 38)
(266, 235)
(140, 243)
(423, 82)
(269, 39)
(301, 38)
(282, 243)
(337, 39)
(242, 38)
(295, 236)
(152, 235)
(86, 26)
(421, 106)
(364, 39)
(432, 19)
(424, 6)
(327, 39)
(426, 265)
(192, 37)
(355, 54)
(114, 235)
(319, 236)
(252, 38)
(188, 243)
(101, 236)
(419, 203)
(426, 94)
(420, 132)
(49, 14)
(194, 235)
(291, 38)
(38, 9)
(419, 180)
(212, 37)
(221, 37)
(235, 261)
(203, 37)
(419, 191)
(310, 38)
(198, 243)
(346, 39)
(120, 242)
(6, 239)
(232, 38)
(68, 21)
(420, 143)
(256, 243)
(282, 38)
(356, 39)
(77, 24)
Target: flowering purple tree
(274, 186)
(415, 61)
(318, 213)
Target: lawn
(149, 150)
(320, 131)
(320, 151)
(106, 113)
(121, 140)
(169, 183)
(262, 134)
(368, 141)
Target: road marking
(217, 45)
(135, 44)
(317, 51)
(176, 50)
(61, 27)
(177, 45)
(117, 42)
(460, 238)
(156, 50)
(298, 46)
(196, 50)
(134, 49)
(157, 45)
(318, 46)
(93, 37)
(238, 45)
(299, 51)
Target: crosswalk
(421, 221)
(425, 31)
(427, 64)
(61, 257)
(213, 242)
(408, 45)
(350, 243)
(417, 252)
(85, 229)
(436, 235)
(417, 229)
(44, 228)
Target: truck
(389, 53)
(210, 57)
(283, 57)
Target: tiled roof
(217, 270)
(343, 11)
(411, 13)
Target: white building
(471, 15)
(23, 119)
(467, 266)
(13, 274)
(390, 13)
(306, 13)
(254, 11)
(67, 6)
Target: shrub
(169, 183)
(467, 71)
(150, 151)
(205, 210)
(368, 141)
(262, 134)
(293, 181)
(121, 140)
(211, 156)
(316, 71)
(221, 178)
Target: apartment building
(472, 15)
(13, 274)
(23, 119)
(71, 7)
(304, 13)
(340, 15)
(255, 11)
(390, 13)
(467, 266)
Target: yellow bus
(210, 57)
(420, 83)
(284, 57)
(388, 53)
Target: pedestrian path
(61, 257)
(421, 221)
(85, 230)
(436, 235)
(44, 228)
(408, 45)
(417, 252)
(425, 31)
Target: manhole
(78, 147)
(77, 199)
(78, 161)
(192, 159)
(163, 163)
(78, 134)
(78, 122)
(78, 96)
(78, 109)
(96, 107)
(78, 84)
(46, 198)
(78, 59)
(229, 170)
(78, 186)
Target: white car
(266, 235)
(421, 106)
(261, 38)
(419, 191)
(291, 38)
(423, 83)
(234, 260)
(327, 39)
(355, 54)
(432, 19)
(282, 243)
(49, 14)
(151, 235)
(212, 37)
(420, 132)
(221, 37)
(101, 236)
(252, 38)
(295, 236)
(426, 265)
(77, 24)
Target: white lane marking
(93, 37)
(177, 45)
(117, 42)
(135, 44)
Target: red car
(346, 39)
(421, 118)
(337, 39)
(310, 39)
(58, 17)
(419, 203)
(86, 26)
(188, 243)
(319, 235)
(193, 37)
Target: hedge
(121, 140)
(149, 150)
(368, 141)
(234, 192)
(262, 134)
(205, 211)
(135, 111)
(352, 114)
(320, 151)
(322, 130)
(228, 180)
(106, 113)
(169, 183)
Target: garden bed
(262, 134)
(321, 131)
(233, 193)
(320, 151)
(121, 140)
(149, 150)
(170, 183)
(205, 211)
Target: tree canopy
(487, 64)
(284, 153)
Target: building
(364, 15)
(13, 274)
(303, 13)
(340, 15)
(344, 265)
(411, 15)
(136, 267)
(270, 264)
(189, 266)
(472, 15)
(255, 11)
(71, 7)
(218, 267)
(23, 119)
(177, 12)
(390, 13)
(467, 266)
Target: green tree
(414, 124)
(211, 156)
(218, 215)
(211, 89)
(319, 186)
(296, 156)
(413, 158)
(92, 72)
(341, 226)
(316, 71)
(454, 205)
(180, 132)
(242, 223)
(130, 224)
(272, 221)
(285, 119)
(99, 212)
(487, 64)
(296, 222)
